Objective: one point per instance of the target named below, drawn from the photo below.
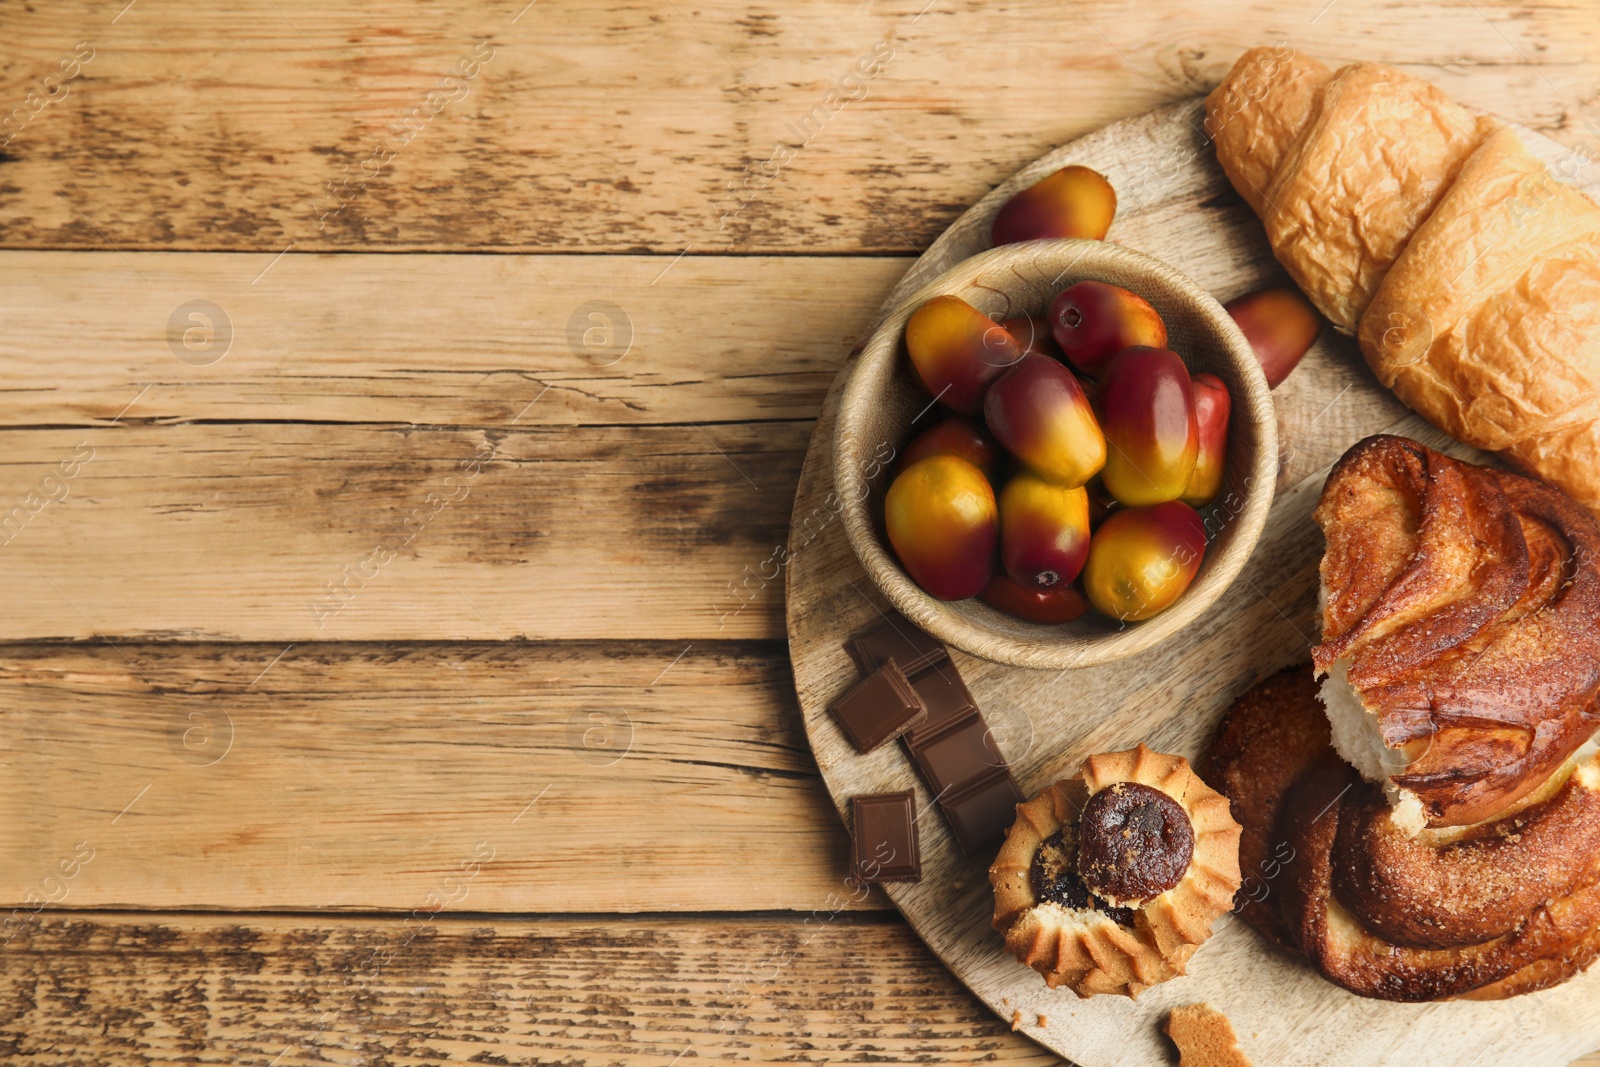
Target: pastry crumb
(1016, 1020)
(1044, 1020)
(1204, 1037)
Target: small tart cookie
(1108, 882)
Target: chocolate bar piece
(884, 846)
(947, 699)
(895, 638)
(980, 813)
(955, 757)
(880, 707)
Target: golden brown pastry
(1460, 629)
(1506, 907)
(1470, 275)
(1108, 882)
(1426, 823)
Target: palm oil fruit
(1039, 412)
(1093, 321)
(1146, 407)
(1058, 604)
(957, 351)
(1073, 202)
(1212, 406)
(1280, 325)
(942, 520)
(956, 435)
(1044, 531)
(1142, 559)
(1033, 334)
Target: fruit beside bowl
(1034, 426)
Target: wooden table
(401, 409)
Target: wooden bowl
(884, 406)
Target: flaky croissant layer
(1470, 276)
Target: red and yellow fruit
(1044, 531)
(1142, 559)
(1039, 412)
(1073, 202)
(956, 435)
(957, 351)
(1212, 406)
(1059, 604)
(1280, 325)
(1033, 334)
(1102, 442)
(1093, 321)
(1146, 407)
(942, 520)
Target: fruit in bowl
(942, 520)
(887, 410)
(1093, 321)
(1146, 406)
(956, 436)
(1142, 559)
(957, 351)
(1054, 493)
(1044, 531)
(1039, 412)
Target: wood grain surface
(432, 989)
(306, 532)
(86, 336)
(356, 776)
(626, 126)
(1169, 697)
(235, 133)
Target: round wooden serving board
(1175, 204)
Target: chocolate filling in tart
(1054, 877)
(1110, 880)
(1134, 843)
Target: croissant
(1468, 274)
(1432, 829)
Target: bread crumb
(1016, 1020)
(1044, 1020)
(1204, 1037)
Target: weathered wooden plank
(293, 532)
(442, 340)
(414, 990)
(637, 776)
(630, 126)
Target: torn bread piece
(1460, 611)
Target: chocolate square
(879, 708)
(980, 813)
(958, 755)
(946, 697)
(884, 838)
(897, 639)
